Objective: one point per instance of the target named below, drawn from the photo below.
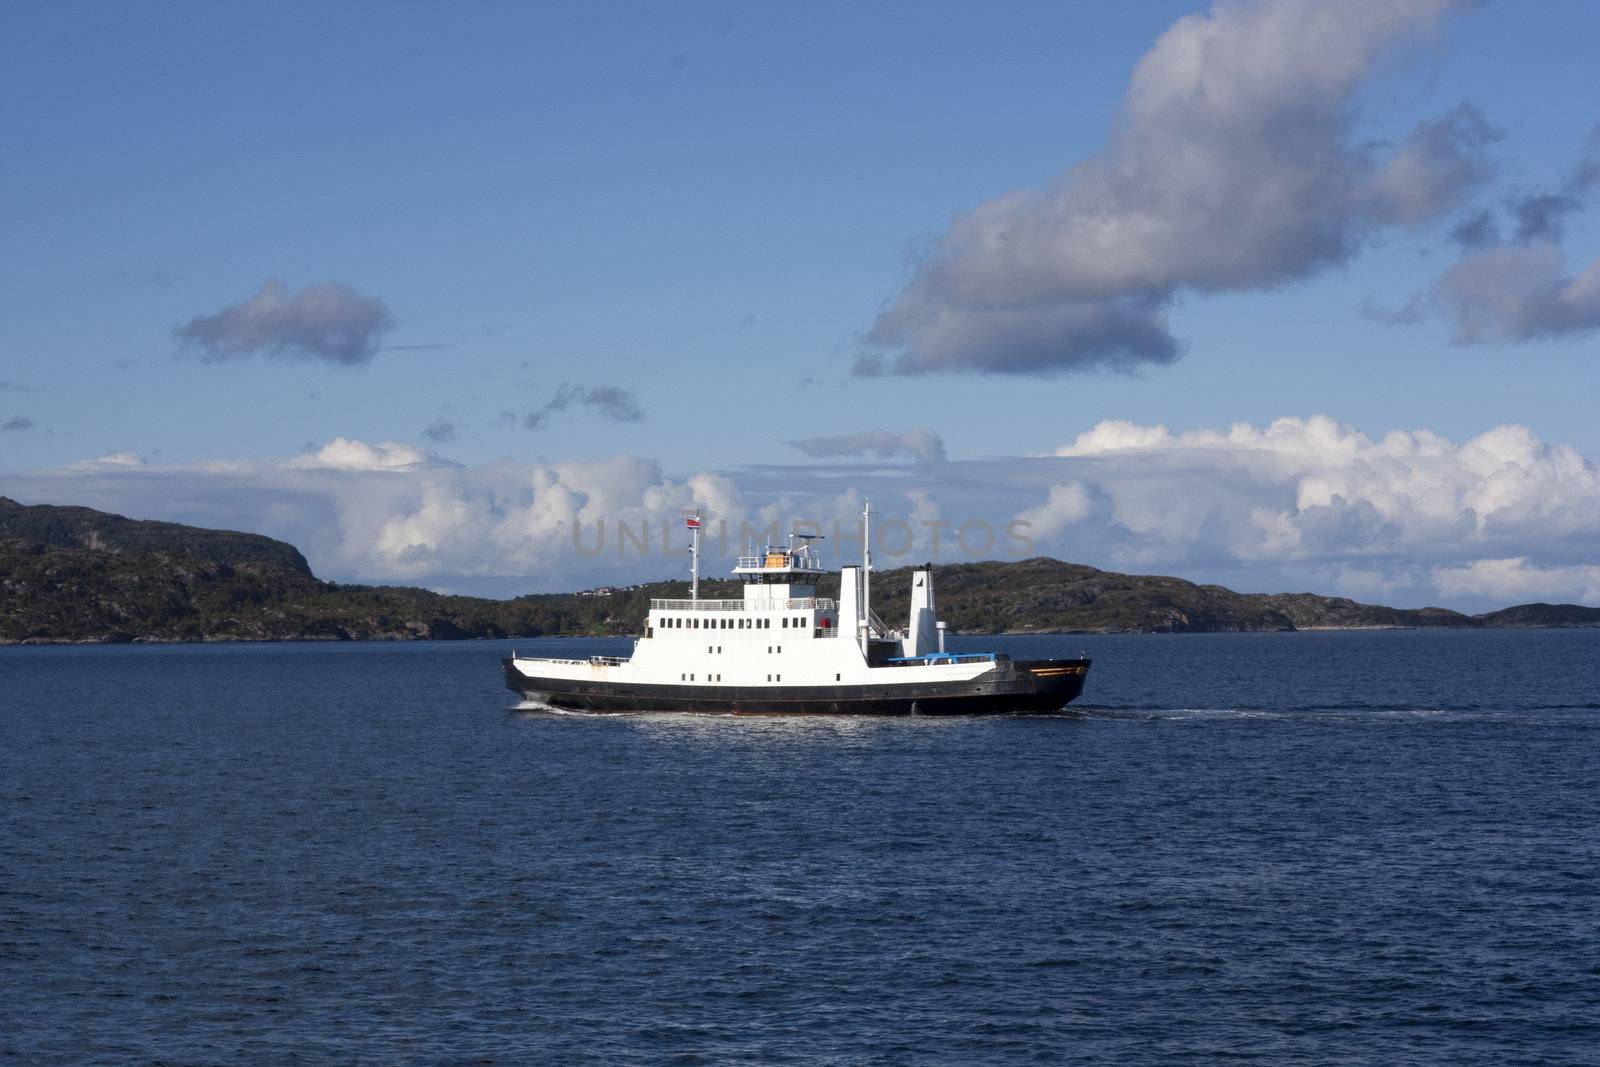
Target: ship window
(836, 678)
(719, 650)
(785, 624)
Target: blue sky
(696, 215)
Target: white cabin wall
(922, 631)
(849, 601)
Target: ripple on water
(1280, 850)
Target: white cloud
(1065, 505)
(1235, 166)
(344, 454)
(1312, 504)
(1516, 580)
(1317, 488)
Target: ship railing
(806, 603)
(879, 628)
(607, 661)
(939, 658)
(791, 563)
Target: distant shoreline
(315, 639)
(72, 575)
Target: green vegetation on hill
(74, 574)
(66, 527)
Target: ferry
(782, 649)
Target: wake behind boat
(782, 649)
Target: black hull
(1027, 686)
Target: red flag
(692, 523)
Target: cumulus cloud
(1407, 517)
(1234, 168)
(17, 423)
(345, 454)
(1316, 489)
(610, 401)
(1065, 505)
(920, 444)
(1517, 580)
(330, 322)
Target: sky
(1286, 296)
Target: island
(77, 575)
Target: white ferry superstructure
(782, 649)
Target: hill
(69, 527)
(1524, 616)
(75, 574)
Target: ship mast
(691, 519)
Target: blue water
(1285, 849)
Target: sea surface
(1366, 848)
